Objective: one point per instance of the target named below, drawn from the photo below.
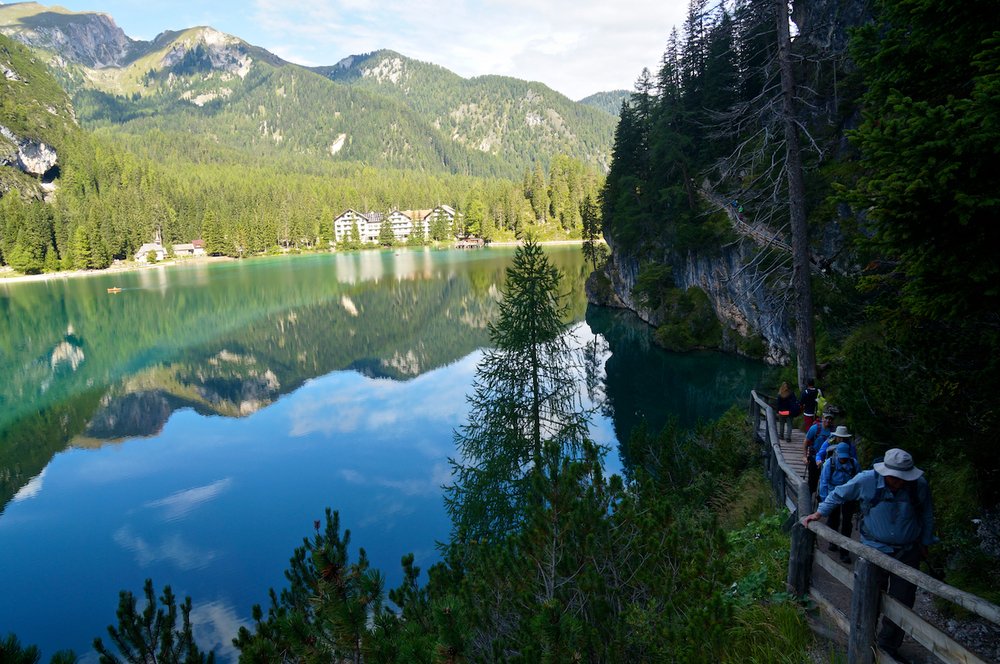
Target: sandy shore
(8, 276)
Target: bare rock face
(217, 51)
(738, 300)
(826, 24)
(93, 40)
(29, 155)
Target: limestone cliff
(744, 269)
(746, 307)
(28, 155)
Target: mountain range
(382, 108)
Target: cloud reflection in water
(178, 505)
(172, 549)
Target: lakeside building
(193, 248)
(404, 223)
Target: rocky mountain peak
(90, 39)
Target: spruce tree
(385, 235)
(525, 401)
(152, 634)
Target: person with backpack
(786, 408)
(897, 518)
(817, 438)
(808, 403)
(841, 435)
(836, 471)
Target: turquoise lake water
(192, 427)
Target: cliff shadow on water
(642, 378)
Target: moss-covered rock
(691, 322)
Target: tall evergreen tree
(525, 400)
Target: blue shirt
(891, 522)
(829, 442)
(834, 474)
(817, 437)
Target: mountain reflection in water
(192, 427)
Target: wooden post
(804, 500)
(800, 560)
(868, 581)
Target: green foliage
(690, 321)
(385, 234)
(927, 139)
(653, 284)
(524, 400)
(590, 217)
(324, 614)
(152, 634)
(12, 652)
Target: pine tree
(152, 635)
(593, 250)
(82, 258)
(385, 235)
(324, 613)
(524, 401)
(211, 233)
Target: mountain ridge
(381, 108)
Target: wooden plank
(930, 637)
(837, 571)
(837, 616)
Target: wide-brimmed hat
(843, 450)
(898, 463)
(841, 432)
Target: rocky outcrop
(28, 155)
(744, 304)
(208, 49)
(826, 24)
(92, 40)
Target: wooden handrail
(973, 603)
(864, 607)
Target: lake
(191, 428)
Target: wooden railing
(867, 581)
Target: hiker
(786, 407)
(807, 402)
(839, 469)
(897, 518)
(816, 439)
(841, 435)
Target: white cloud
(215, 624)
(440, 474)
(575, 47)
(31, 489)
(178, 505)
(360, 405)
(172, 549)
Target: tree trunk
(805, 339)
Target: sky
(577, 47)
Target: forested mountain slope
(407, 115)
(895, 107)
(495, 115)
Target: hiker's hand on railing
(809, 518)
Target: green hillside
(382, 109)
(32, 107)
(496, 115)
(610, 102)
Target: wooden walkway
(850, 596)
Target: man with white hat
(840, 435)
(897, 518)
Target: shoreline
(7, 275)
